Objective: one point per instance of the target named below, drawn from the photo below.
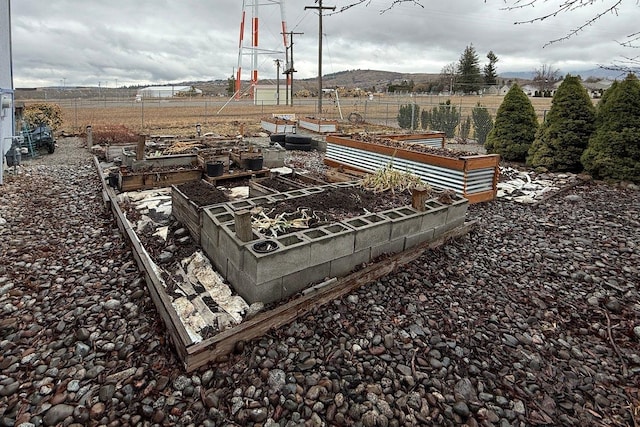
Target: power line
(320, 9)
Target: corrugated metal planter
(278, 125)
(431, 139)
(318, 125)
(474, 177)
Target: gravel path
(532, 319)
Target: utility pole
(277, 61)
(290, 70)
(320, 9)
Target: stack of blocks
(303, 258)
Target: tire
(51, 148)
(277, 137)
(297, 139)
(300, 147)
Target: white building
(167, 91)
(6, 83)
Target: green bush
(444, 118)
(613, 151)
(465, 129)
(405, 114)
(482, 123)
(563, 136)
(515, 127)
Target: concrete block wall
(302, 258)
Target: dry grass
(179, 116)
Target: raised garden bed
(430, 139)
(318, 125)
(268, 267)
(187, 201)
(278, 125)
(473, 176)
(195, 354)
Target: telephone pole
(277, 61)
(289, 70)
(320, 9)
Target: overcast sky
(86, 42)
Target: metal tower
(254, 49)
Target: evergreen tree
(564, 135)
(444, 118)
(490, 72)
(515, 126)
(231, 85)
(614, 148)
(469, 79)
(405, 115)
(482, 123)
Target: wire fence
(159, 113)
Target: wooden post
(243, 225)
(89, 136)
(419, 198)
(140, 148)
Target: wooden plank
(222, 344)
(149, 180)
(485, 196)
(481, 161)
(446, 162)
(236, 174)
(175, 328)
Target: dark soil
(202, 194)
(278, 184)
(337, 204)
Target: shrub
(563, 136)
(113, 134)
(43, 113)
(465, 129)
(515, 127)
(406, 113)
(445, 118)
(613, 151)
(482, 123)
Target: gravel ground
(531, 319)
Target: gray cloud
(153, 41)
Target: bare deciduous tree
(568, 6)
(545, 77)
(392, 3)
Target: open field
(179, 116)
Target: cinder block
(330, 242)
(240, 205)
(344, 265)
(419, 238)
(370, 230)
(295, 193)
(404, 221)
(434, 216)
(251, 292)
(293, 254)
(296, 282)
(392, 247)
(261, 201)
(457, 210)
(229, 244)
(278, 196)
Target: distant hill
(597, 73)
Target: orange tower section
(254, 49)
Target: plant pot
(215, 168)
(254, 164)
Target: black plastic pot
(265, 246)
(215, 168)
(255, 164)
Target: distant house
(167, 91)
